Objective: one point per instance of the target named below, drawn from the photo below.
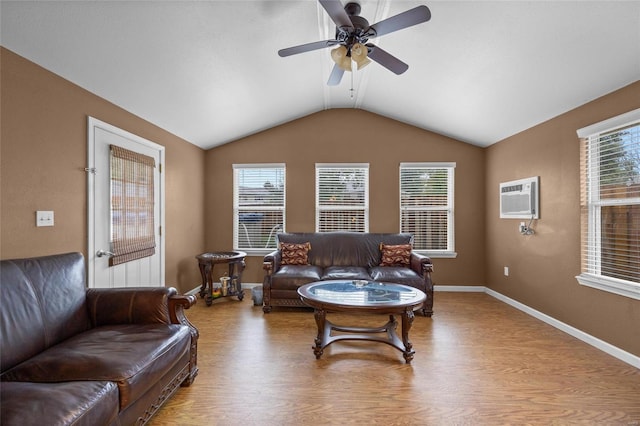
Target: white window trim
(257, 251)
(612, 285)
(609, 124)
(355, 208)
(437, 254)
(609, 284)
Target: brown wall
(543, 266)
(329, 137)
(43, 154)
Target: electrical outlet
(506, 271)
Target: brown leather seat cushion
(79, 403)
(398, 275)
(345, 273)
(133, 356)
(290, 277)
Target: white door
(148, 271)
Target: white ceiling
(209, 72)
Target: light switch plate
(44, 218)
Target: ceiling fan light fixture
(339, 56)
(353, 31)
(359, 55)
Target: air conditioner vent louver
(519, 199)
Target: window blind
(342, 197)
(610, 204)
(259, 206)
(132, 205)
(426, 204)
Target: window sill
(612, 285)
(438, 254)
(257, 252)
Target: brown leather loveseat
(77, 356)
(302, 258)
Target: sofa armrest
(271, 262)
(422, 265)
(137, 305)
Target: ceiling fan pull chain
(351, 85)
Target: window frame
(592, 202)
(449, 209)
(237, 208)
(319, 208)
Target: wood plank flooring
(478, 361)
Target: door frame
(92, 125)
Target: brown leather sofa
(77, 356)
(342, 255)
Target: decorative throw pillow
(395, 255)
(295, 254)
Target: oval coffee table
(362, 297)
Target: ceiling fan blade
(387, 60)
(336, 76)
(336, 11)
(306, 47)
(406, 19)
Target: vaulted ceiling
(209, 72)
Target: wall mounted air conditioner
(519, 199)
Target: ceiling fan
(352, 35)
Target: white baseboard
(608, 348)
(461, 288)
(196, 290)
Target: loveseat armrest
(422, 265)
(137, 305)
(271, 262)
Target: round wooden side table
(236, 264)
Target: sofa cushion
(81, 403)
(295, 254)
(395, 254)
(345, 273)
(398, 275)
(133, 356)
(290, 277)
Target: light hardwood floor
(478, 361)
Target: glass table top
(361, 293)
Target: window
(426, 206)
(258, 206)
(610, 205)
(342, 197)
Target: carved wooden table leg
(203, 274)
(238, 269)
(321, 317)
(407, 321)
(207, 285)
